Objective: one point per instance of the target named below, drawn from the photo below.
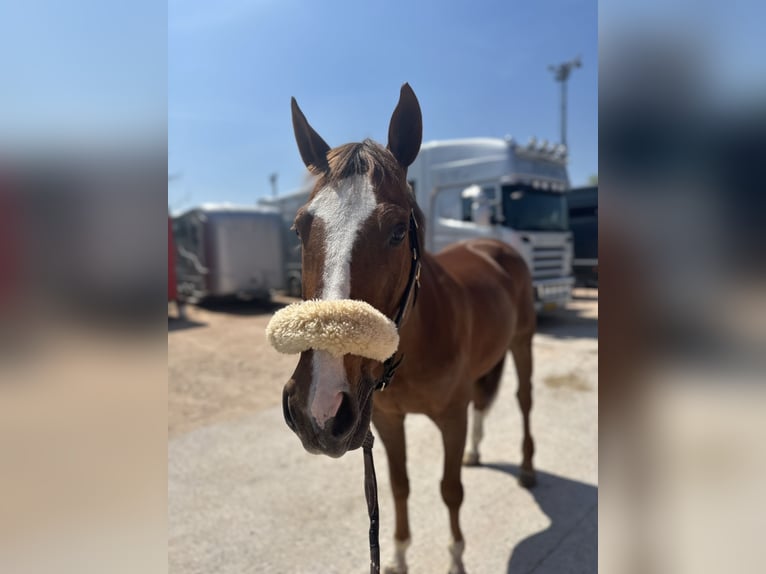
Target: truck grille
(548, 262)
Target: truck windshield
(529, 209)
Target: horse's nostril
(344, 418)
(286, 410)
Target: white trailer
(489, 187)
(229, 250)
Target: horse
(360, 233)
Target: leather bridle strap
(410, 291)
(389, 369)
(413, 281)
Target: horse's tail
(485, 388)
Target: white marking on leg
(399, 563)
(456, 550)
(342, 209)
(477, 433)
(477, 429)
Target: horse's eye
(398, 234)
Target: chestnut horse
(475, 303)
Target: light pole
(561, 74)
(273, 179)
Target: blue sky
(81, 70)
(478, 69)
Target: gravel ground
(245, 497)
(220, 366)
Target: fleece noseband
(347, 326)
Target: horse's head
(355, 236)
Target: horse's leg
(453, 430)
(390, 427)
(485, 391)
(522, 357)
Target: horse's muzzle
(335, 438)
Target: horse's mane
(362, 158)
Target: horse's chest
(432, 376)
(420, 396)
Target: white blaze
(328, 379)
(342, 209)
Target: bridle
(411, 290)
(389, 369)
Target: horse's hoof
(527, 478)
(471, 459)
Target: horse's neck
(435, 314)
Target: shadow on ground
(570, 543)
(176, 324)
(233, 306)
(568, 323)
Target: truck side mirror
(481, 210)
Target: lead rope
(371, 494)
(389, 368)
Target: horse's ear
(311, 145)
(405, 131)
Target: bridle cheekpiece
(410, 292)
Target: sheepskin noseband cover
(341, 327)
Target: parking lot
(245, 497)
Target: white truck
(483, 187)
(491, 187)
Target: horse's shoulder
(468, 253)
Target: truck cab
(497, 188)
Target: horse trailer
(227, 250)
(497, 188)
